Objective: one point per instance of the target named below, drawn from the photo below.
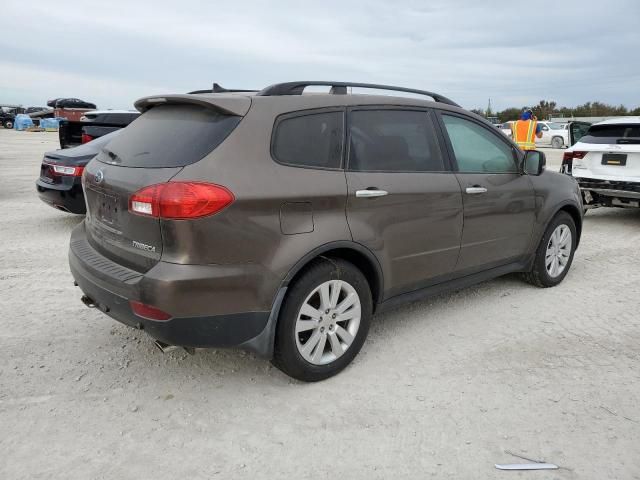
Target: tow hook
(88, 301)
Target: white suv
(605, 159)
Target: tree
(478, 111)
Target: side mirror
(534, 162)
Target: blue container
(22, 121)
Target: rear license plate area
(617, 159)
(107, 210)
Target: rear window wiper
(627, 141)
(113, 158)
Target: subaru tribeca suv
(281, 221)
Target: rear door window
(393, 141)
(170, 136)
(312, 140)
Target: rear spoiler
(228, 104)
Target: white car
(554, 134)
(605, 160)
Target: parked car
(605, 160)
(7, 117)
(554, 134)
(280, 222)
(60, 183)
(505, 128)
(92, 125)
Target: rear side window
(393, 141)
(612, 134)
(310, 140)
(170, 136)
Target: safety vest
(524, 133)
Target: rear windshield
(170, 136)
(619, 133)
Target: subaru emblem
(99, 176)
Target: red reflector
(86, 138)
(180, 200)
(147, 311)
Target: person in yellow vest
(525, 130)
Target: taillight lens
(65, 170)
(86, 138)
(572, 155)
(147, 311)
(180, 200)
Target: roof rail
(340, 88)
(219, 89)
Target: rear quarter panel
(250, 230)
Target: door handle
(475, 190)
(371, 193)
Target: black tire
(8, 124)
(557, 142)
(286, 355)
(539, 276)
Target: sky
(113, 52)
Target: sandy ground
(442, 389)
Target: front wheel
(557, 142)
(324, 320)
(8, 124)
(555, 252)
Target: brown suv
(281, 221)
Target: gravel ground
(443, 388)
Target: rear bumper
(67, 197)
(609, 192)
(180, 290)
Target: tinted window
(170, 136)
(393, 140)
(621, 133)
(312, 140)
(478, 149)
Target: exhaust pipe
(166, 348)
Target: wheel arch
(353, 252)
(575, 213)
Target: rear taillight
(65, 170)
(180, 200)
(572, 155)
(147, 311)
(86, 138)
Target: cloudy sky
(113, 52)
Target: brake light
(147, 311)
(180, 200)
(66, 170)
(86, 138)
(572, 155)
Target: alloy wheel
(328, 322)
(558, 251)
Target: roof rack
(340, 88)
(219, 89)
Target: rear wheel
(555, 252)
(324, 320)
(557, 142)
(8, 124)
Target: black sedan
(60, 182)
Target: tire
(331, 344)
(542, 274)
(557, 142)
(8, 124)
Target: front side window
(393, 140)
(311, 140)
(476, 149)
